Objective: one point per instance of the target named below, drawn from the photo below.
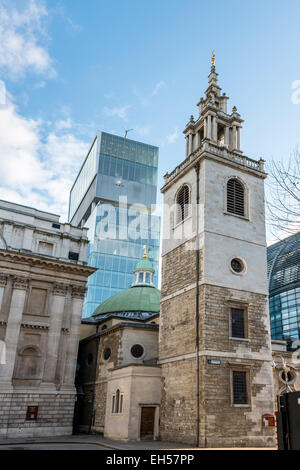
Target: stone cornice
(45, 263)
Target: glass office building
(284, 288)
(114, 196)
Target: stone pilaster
(238, 139)
(56, 317)
(190, 143)
(204, 128)
(226, 137)
(234, 137)
(214, 128)
(209, 126)
(73, 338)
(20, 285)
(3, 282)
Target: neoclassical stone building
(42, 284)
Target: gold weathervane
(213, 58)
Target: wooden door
(147, 422)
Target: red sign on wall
(268, 421)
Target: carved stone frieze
(78, 292)
(60, 288)
(3, 279)
(20, 282)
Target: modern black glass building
(114, 195)
(284, 288)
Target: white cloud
(121, 112)
(173, 136)
(64, 124)
(157, 87)
(37, 171)
(143, 130)
(21, 38)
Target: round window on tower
(137, 351)
(237, 266)
(106, 354)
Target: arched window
(29, 363)
(235, 197)
(117, 402)
(183, 201)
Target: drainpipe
(95, 379)
(197, 168)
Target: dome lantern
(143, 272)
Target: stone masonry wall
(55, 414)
(221, 422)
(179, 268)
(178, 402)
(108, 340)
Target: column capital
(20, 282)
(59, 288)
(78, 292)
(3, 279)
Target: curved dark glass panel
(284, 288)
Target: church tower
(215, 345)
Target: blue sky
(72, 67)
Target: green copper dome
(139, 298)
(144, 264)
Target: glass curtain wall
(284, 288)
(130, 169)
(117, 258)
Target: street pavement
(94, 442)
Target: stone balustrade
(219, 151)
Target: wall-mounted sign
(32, 413)
(268, 421)
(214, 362)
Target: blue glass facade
(126, 171)
(284, 288)
(117, 258)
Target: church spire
(214, 123)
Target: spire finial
(213, 59)
(145, 252)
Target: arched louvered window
(117, 402)
(183, 201)
(235, 197)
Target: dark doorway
(147, 422)
(288, 421)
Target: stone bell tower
(214, 345)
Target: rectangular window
(73, 256)
(237, 323)
(239, 386)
